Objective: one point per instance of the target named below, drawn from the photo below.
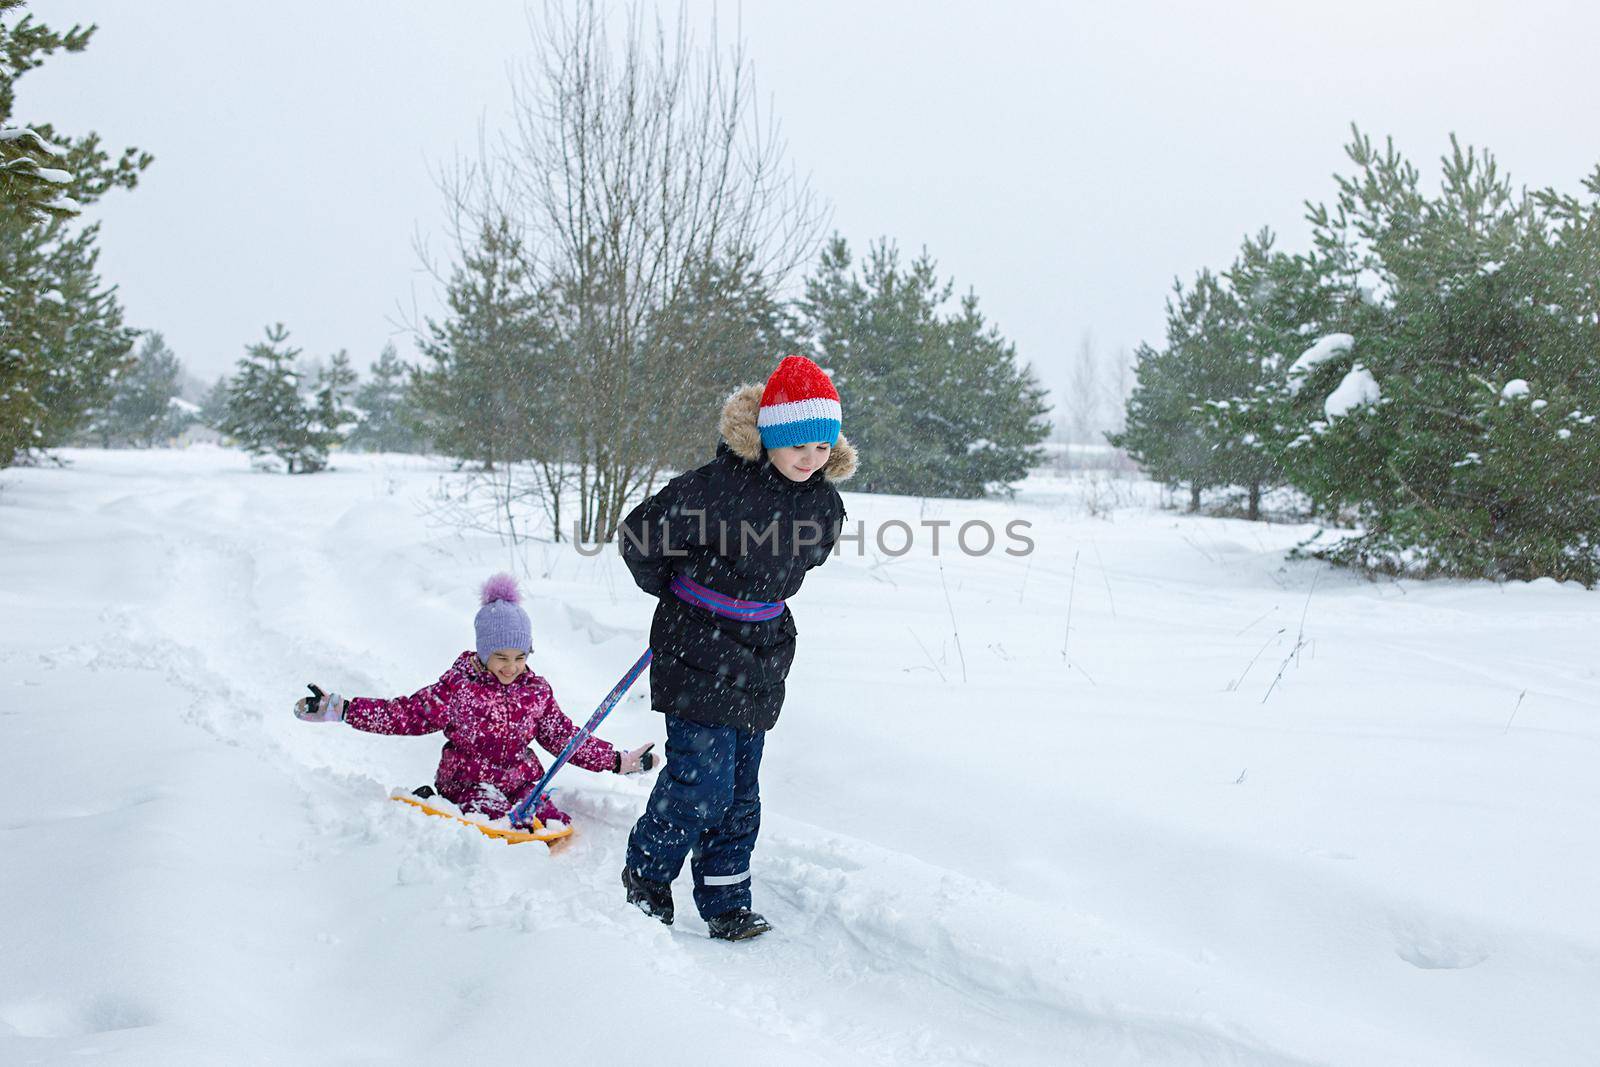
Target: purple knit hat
(501, 623)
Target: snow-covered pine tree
(214, 407)
(31, 176)
(62, 342)
(1171, 429)
(386, 424)
(142, 411)
(1159, 429)
(472, 394)
(1283, 300)
(266, 414)
(937, 402)
(1004, 418)
(1460, 431)
(332, 417)
(34, 179)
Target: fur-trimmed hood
(738, 428)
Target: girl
(489, 706)
(722, 547)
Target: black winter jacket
(738, 526)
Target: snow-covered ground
(976, 849)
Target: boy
(722, 547)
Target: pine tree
(1171, 425)
(1447, 390)
(725, 328)
(143, 411)
(214, 408)
(1476, 288)
(475, 393)
(266, 414)
(1001, 416)
(32, 179)
(937, 403)
(62, 342)
(386, 422)
(331, 413)
(1282, 301)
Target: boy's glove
(637, 761)
(320, 706)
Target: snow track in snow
(953, 968)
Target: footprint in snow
(1431, 949)
(49, 1017)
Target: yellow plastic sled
(438, 805)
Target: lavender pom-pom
(501, 587)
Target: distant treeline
(615, 270)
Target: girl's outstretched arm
(423, 712)
(553, 730)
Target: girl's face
(799, 462)
(507, 664)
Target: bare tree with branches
(658, 217)
(1081, 404)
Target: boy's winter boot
(737, 925)
(652, 898)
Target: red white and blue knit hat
(798, 406)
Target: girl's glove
(637, 761)
(320, 706)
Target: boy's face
(799, 462)
(507, 664)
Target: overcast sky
(1065, 161)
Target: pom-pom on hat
(798, 406)
(501, 623)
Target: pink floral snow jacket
(487, 766)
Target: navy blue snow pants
(707, 800)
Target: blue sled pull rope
(519, 814)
